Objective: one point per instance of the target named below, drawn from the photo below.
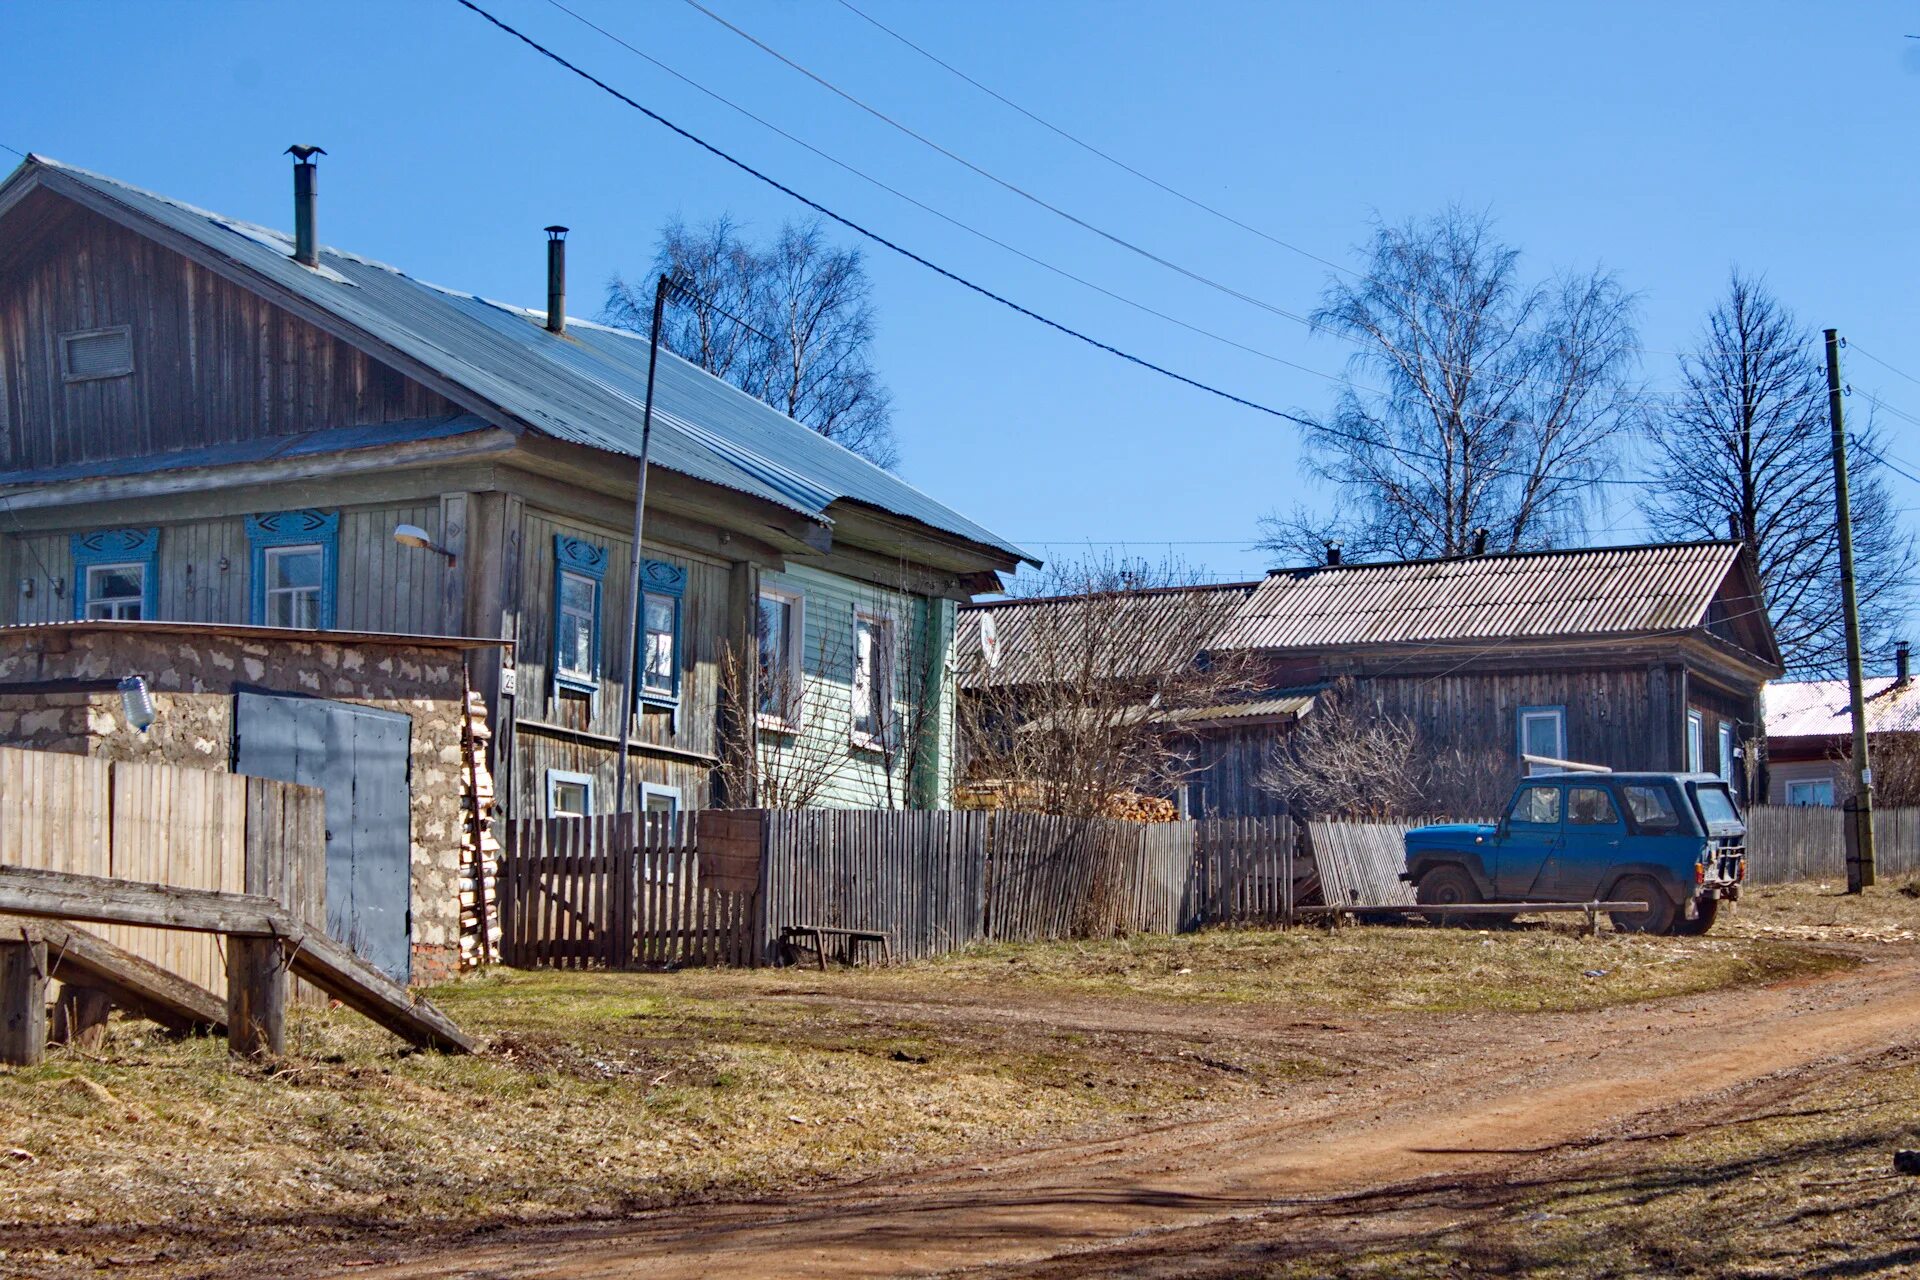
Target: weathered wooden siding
(1226, 765)
(539, 752)
(1609, 717)
(203, 567)
(213, 364)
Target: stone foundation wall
(193, 682)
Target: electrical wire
(1655, 399)
(1857, 349)
(1186, 197)
(895, 247)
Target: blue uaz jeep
(1674, 841)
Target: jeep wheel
(1446, 886)
(1704, 911)
(1659, 915)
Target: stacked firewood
(480, 851)
(1124, 806)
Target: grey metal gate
(359, 757)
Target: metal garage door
(358, 756)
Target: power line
(1653, 399)
(982, 290)
(9, 147)
(1857, 349)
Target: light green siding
(914, 768)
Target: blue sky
(1667, 142)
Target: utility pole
(630, 688)
(1859, 806)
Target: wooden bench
(814, 936)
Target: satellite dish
(989, 640)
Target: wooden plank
(133, 983)
(58, 895)
(336, 970)
(256, 998)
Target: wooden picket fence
(597, 891)
(1790, 843)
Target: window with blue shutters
(293, 569)
(579, 577)
(663, 588)
(116, 574)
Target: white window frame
(1558, 715)
(788, 719)
(555, 779)
(138, 568)
(1814, 785)
(889, 621)
(661, 869)
(1724, 743)
(271, 555)
(1696, 741)
(592, 616)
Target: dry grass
(1888, 913)
(1797, 1183)
(1395, 968)
(604, 1093)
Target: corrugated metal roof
(588, 387)
(1823, 708)
(28, 631)
(1597, 591)
(1283, 702)
(1136, 632)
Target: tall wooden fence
(1788, 843)
(165, 824)
(596, 891)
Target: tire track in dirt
(1495, 1102)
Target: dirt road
(1469, 1105)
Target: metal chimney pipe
(1333, 553)
(1903, 661)
(1480, 541)
(556, 279)
(306, 192)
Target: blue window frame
(579, 579)
(293, 569)
(116, 574)
(663, 588)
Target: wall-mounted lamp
(412, 535)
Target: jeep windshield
(1715, 805)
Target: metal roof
(587, 387)
(1598, 591)
(1823, 708)
(1137, 632)
(28, 631)
(1282, 703)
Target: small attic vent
(96, 353)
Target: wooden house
(1646, 657)
(1810, 733)
(204, 420)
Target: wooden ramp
(306, 951)
(81, 959)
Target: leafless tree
(1748, 441)
(1346, 759)
(1100, 675)
(1475, 399)
(790, 322)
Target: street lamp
(412, 535)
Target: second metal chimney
(1903, 662)
(1480, 541)
(1333, 553)
(306, 193)
(556, 279)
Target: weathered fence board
(1360, 861)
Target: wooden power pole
(1859, 806)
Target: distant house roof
(1588, 592)
(1823, 708)
(1138, 632)
(587, 387)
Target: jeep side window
(1537, 806)
(1590, 807)
(1651, 807)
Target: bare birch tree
(1099, 675)
(1476, 400)
(1747, 447)
(791, 323)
